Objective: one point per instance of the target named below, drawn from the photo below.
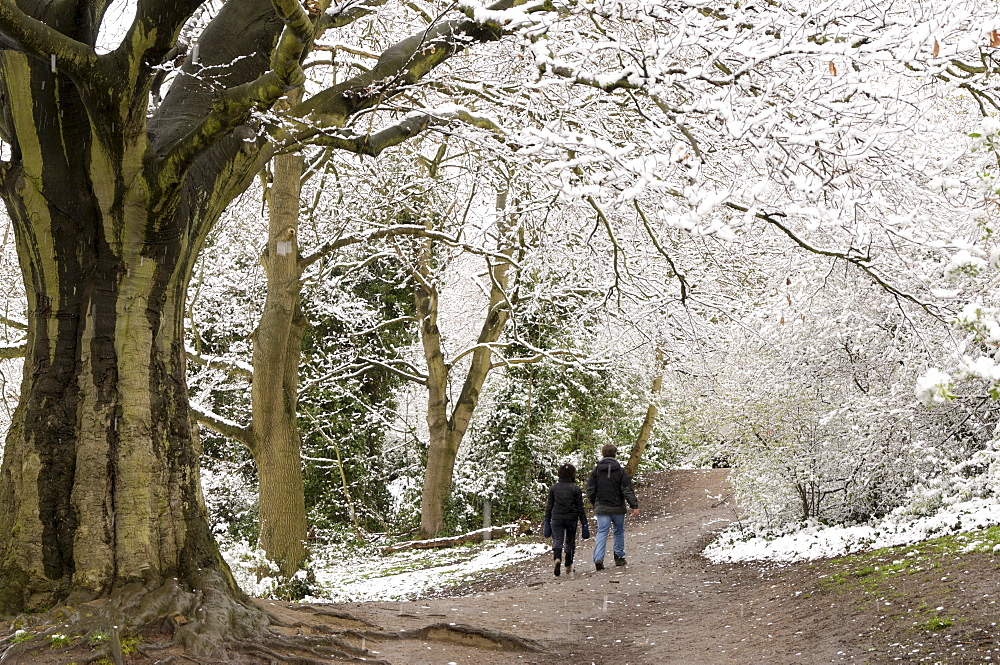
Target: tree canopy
(656, 136)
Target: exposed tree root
(463, 634)
(335, 614)
(207, 622)
(175, 624)
(287, 652)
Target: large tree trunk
(111, 202)
(441, 456)
(99, 487)
(100, 480)
(276, 443)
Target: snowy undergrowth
(368, 575)
(817, 542)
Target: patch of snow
(366, 576)
(819, 542)
(410, 575)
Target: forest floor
(926, 603)
(914, 604)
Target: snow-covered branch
(223, 426)
(8, 352)
(399, 230)
(413, 124)
(861, 261)
(232, 367)
(345, 13)
(410, 373)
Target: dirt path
(669, 605)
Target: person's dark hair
(609, 450)
(567, 473)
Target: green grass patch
(130, 645)
(934, 623)
(872, 569)
(882, 578)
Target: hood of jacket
(607, 465)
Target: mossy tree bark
(99, 487)
(111, 202)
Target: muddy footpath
(670, 605)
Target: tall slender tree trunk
(442, 448)
(447, 427)
(276, 442)
(639, 449)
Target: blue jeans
(604, 524)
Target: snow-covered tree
(119, 161)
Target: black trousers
(564, 537)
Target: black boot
(557, 555)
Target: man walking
(609, 488)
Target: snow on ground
(369, 576)
(818, 542)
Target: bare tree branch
(12, 323)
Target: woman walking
(563, 510)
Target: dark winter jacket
(609, 488)
(565, 502)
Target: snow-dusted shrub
(816, 409)
(230, 491)
(964, 382)
(842, 466)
